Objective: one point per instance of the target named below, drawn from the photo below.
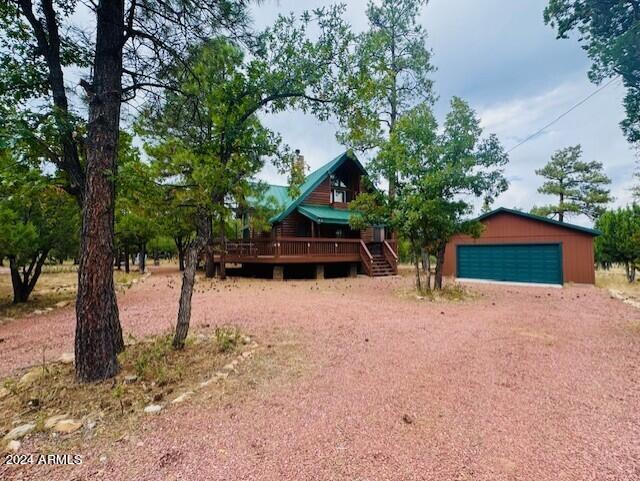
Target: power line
(564, 114)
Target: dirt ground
(514, 383)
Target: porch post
(319, 271)
(353, 270)
(278, 273)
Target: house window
(338, 190)
(338, 196)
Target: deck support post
(353, 270)
(319, 271)
(278, 273)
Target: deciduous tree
(438, 178)
(37, 219)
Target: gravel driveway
(514, 384)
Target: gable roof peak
(315, 178)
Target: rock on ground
(153, 409)
(50, 422)
(19, 432)
(67, 358)
(31, 377)
(13, 445)
(67, 426)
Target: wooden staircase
(380, 266)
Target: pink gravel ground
(515, 384)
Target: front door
(378, 234)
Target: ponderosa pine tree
(391, 74)
(580, 186)
(610, 33)
(126, 53)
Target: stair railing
(366, 258)
(390, 256)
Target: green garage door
(540, 263)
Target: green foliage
(620, 239)
(162, 244)
(579, 185)
(150, 363)
(438, 176)
(610, 33)
(206, 140)
(390, 74)
(635, 190)
(37, 219)
(138, 199)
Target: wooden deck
(307, 250)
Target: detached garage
(520, 247)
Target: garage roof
(586, 230)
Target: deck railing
(294, 246)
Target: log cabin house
(310, 233)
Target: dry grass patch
(215, 366)
(57, 284)
(449, 293)
(615, 281)
(218, 361)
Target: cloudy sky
(501, 57)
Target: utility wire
(563, 114)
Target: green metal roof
(313, 180)
(324, 214)
(274, 196)
(587, 230)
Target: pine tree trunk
(142, 263)
(98, 333)
(209, 263)
(126, 260)
(416, 263)
(437, 284)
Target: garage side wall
(504, 228)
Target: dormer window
(338, 190)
